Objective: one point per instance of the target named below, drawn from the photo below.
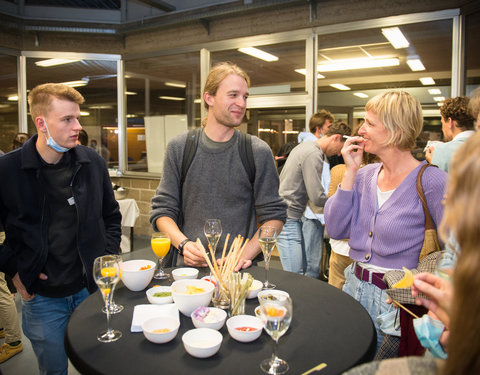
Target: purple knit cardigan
(391, 236)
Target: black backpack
(191, 145)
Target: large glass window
(472, 54)
(8, 101)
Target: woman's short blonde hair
(401, 114)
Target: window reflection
(8, 102)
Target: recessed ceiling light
(304, 72)
(439, 104)
(197, 100)
(130, 93)
(171, 98)
(439, 98)
(53, 62)
(351, 64)
(339, 86)
(395, 37)
(84, 113)
(78, 83)
(415, 65)
(174, 84)
(427, 81)
(13, 98)
(434, 91)
(258, 53)
(360, 94)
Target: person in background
(19, 140)
(457, 127)
(59, 213)
(82, 138)
(312, 220)
(216, 185)
(474, 106)
(377, 207)
(300, 182)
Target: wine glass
(213, 231)
(276, 316)
(267, 238)
(160, 242)
(106, 272)
(114, 307)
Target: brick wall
(142, 190)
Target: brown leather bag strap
(429, 224)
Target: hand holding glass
(160, 242)
(106, 272)
(276, 315)
(267, 238)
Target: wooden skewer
(403, 307)
(223, 252)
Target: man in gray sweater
(217, 185)
(300, 182)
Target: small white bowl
(184, 273)
(159, 300)
(254, 289)
(134, 277)
(163, 322)
(202, 342)
(186, 303)
(244, 321)
(257, 312)
(215, 319)
(272, 294)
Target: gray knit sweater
(217, 187)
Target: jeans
(290, 246)
(44, 321)
(312, 230)
(370, 297)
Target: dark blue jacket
(23, 210)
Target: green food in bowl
(162, 294)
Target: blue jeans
(44, 321)
(370, 297)
(290, 246)
(312, 230)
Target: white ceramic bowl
(134, 277)
(162, 322)
(257, 312)
(202, 342)
(272, 294)
(215, 319)
(186, 303)
(159, 300)
(244, 321)
(255, 288)
(184, 273)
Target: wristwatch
(182, 244)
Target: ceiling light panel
(53, 62)
(175, 84)
(358, 64)
(427, 81)
(258, 53)
(339, 86)
(434, 91)
(304, 72)
(439, 98)
(415, 65)
(171, 98)
(395, 37)
(360, 95)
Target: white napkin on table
(144, 312)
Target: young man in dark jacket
(59, 213)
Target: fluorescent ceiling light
(290, 132)
(360, 94)
(100, 107)
(171, 98)
(53, 62)
(130, 93)
(415, 65)
(351, 64)
(439, 104)
(427, 81)
(339, 86)
(395, 37)
(173, 84)
(13, 98)
(434, 91)
(84, 113)
(258, 53)
(197, 100)
(79, 83)
(304, 72)
(439, 98)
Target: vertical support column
(205, 65)
(458, 56)
(311, 82)
(147, 96)
(121, 116)
(22, 94)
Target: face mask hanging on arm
(51, 142)
(428, 331)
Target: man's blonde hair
(218, 73)
(401, 114)
(41, 97)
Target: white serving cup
(186, 303)
(161, 322)
(202, 342)
(133, 277)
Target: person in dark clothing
(19, 140)
(59, 213)
(282, 155)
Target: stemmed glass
(213, 231)
(267, 238)
(276, 316)
(106, 272)
(114, 307)
(160, 242)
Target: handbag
(427, 260)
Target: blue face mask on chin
(428, 331)
(51, 142)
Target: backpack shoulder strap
(191, 145)
(246, 155)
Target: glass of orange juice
(160, 242)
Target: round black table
(328, 326)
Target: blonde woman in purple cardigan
(377, 207)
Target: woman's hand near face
(352, 153)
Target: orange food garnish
(274, 312)
(145, 267)
(161, 330)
